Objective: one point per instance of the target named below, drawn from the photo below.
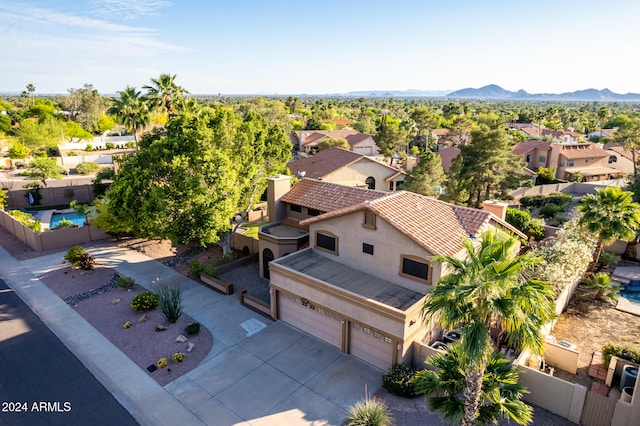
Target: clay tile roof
(621, 151)
(312, 137)
(324, 162)
(437, 226)
(585, 150)
(326, 196)
(447, 156)
(526, 146)
(440, 132)
(357, 138)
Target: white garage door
(371, 346)
(307, 317)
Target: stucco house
(349, 168)
(569, 159)
(306, 141)
(619, 158)
(360, 282)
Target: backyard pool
(76, 218)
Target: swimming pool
(632, 296)
(76, 218)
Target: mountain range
(495, 92)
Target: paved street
(36, 367)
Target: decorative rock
(190, 346)
(181, 339)
(127, 324)
(143, 319)
(160, 327)
(115, 301)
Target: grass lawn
(251, 229)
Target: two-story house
(361, 282)
(349, 168)
(307, 141)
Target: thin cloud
(130, 9)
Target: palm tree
(603, 114)
(445, 388)
(489, 288)
(609, 215)
(601, 282)
(131, 109)
(31, 89)
(165, 94)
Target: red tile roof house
(569, 159)
(338, 165)
(362, 262)
(306, 141)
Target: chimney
(498, 208)
(277, 187)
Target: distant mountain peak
(495, 92)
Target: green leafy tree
(628, 136)
(425, 120)
(18, 150)
(35, 135)
(500, 393)
(73, 130)
(131, 109)
(333, 143)
(426, 177)
(457, 184)
(490, 167)
(391, 137)
(609, 215)
(105, 123)
(84, 105)
(164, 94)
(44, 168)
(489, 288)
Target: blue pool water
(632, 296)
(75, 217)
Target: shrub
(87, 168)
(518, 218)
(64, 223)
(192, 328)
(130, 145)
(559, 198)
(110, 145)
(535, 229)
(86, 261)
(608, 258)
(371, 412)
(195, 268)
(210, 269)
(399, 380)
(550, 210)
(144, 302)
(624, 352)
(170, 301)
(89, 147)
(125, 282)
(26, 219)
(532, 201)
(73, 254)
(177, 357)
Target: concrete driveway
(258, 372)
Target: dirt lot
(591, 324)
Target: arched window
(267, 256)
(370, 182)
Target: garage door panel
(371, 346)
(310, 319)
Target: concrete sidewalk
(258, 372)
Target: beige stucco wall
(389, 244)
(366, 147)
(357, 173)
(623, 163)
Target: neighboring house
(445, 138)
(447, 155)
(338, 165)
(606, 133)
(562, 136)
(568, 159)
(361, 282)
(619, 158)
(306, 141)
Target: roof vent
(301, 174)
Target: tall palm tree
(489, 288)
(603, 114)
(610, 214)
(165, 94)
(31, 89)
(131, 109)
(445, 388)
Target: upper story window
(613, 159)
(542, 159)
(415, 268)
(369, 220)
(367, 248)
(295, 208)
(570, 163)
(370, 182)
(313, 212)
(326, 241)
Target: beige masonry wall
(357, 174)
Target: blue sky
(318, 47)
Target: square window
(415, 268)
(367, 248)
(295, 208)
(326, 242)
(312, 212)
(387, 339)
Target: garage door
(307, 317)
(371, 346)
